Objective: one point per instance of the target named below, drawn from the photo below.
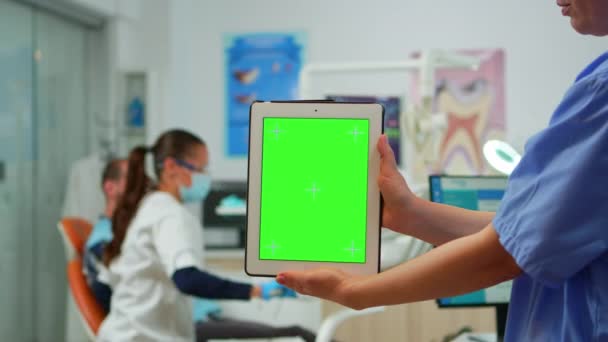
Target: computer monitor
(392, 112)
(225, 215)
(475, 193)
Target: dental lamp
(501, 156)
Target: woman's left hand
(325, 283)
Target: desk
(476, 337)
(225, 254)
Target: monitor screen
(392, 111)
(475, 193)
(314, 189)
(225, 205)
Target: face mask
(201, 183)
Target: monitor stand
(501, 321)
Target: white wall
(134, 38)
(141, 32)
(543, 53)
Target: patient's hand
(272, 289)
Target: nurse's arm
(460, 266)
(405, 213)
(438, 223)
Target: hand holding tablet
(313, 198)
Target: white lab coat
(146, 305)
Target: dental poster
(474, 101)
(259, 66)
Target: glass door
(62, 133)
(44, 128)
(16, 173)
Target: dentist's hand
(398, 198)
(272, 289)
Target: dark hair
(112, 171)
(171, 144)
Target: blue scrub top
(554, 220)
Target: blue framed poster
(259, 66)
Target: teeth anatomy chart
(467, 118)
(474, 104)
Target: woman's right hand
(398, 198)
(272, 289)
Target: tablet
(313, 197)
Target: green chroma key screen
(314, 189)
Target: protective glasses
(189, 166)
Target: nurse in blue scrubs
(550, 234)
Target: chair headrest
(76, 230)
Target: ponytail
(137, 185)
(175, 143)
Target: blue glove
(202, 308)
(273, 289)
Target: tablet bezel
(258, 111)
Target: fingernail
(281, 279)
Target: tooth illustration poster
(474, 101)
(259, 66)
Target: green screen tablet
(317, 187)
(313, 190)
